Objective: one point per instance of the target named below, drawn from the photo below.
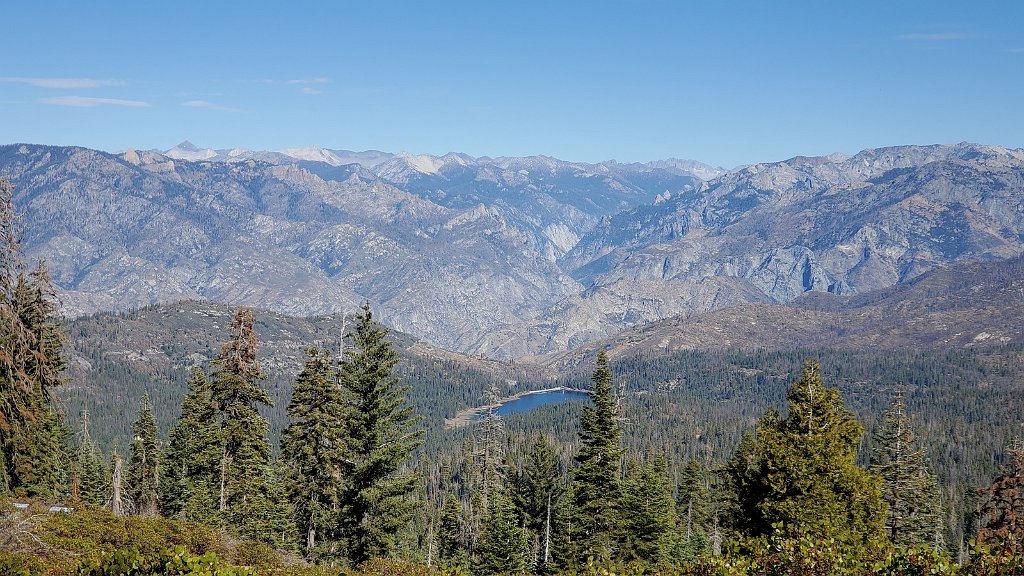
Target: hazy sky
(723, 82)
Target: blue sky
(722, 82)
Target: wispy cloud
(63, 83)
(311, 90)
(937, 37)
(209, 106)
(1015, 50)
(87, 102)
(317, 80)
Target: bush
(19, 564)
(171, 562)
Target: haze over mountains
(505, 256)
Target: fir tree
(191, 463)
(538, 489)
(32, 433)
(648, 513)
(451, 549)
(596, 488)
(908, 486)
(92, 477)
(314, 450)
(692, 511)
(503, 546)
(144, 465)
(799, 471)
(375, 498)
(249, 498)
(1000, 514)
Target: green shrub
(171, 562)
(18, 564)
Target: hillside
(960, 306)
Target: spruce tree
(190, 471)
(313, 452)
(249, 499)
(798, 472)
(648, 513)
(503, 546)
(380, 437)
(909, 487)
(144, 465)
(596, 490)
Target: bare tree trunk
(224, 480)
(116, 506)
(547, 534)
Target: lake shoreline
(467, 415)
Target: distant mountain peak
(187, 146)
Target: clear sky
(723, 82)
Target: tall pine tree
(503, 546)
(648, 513)
(692, 512)
(144, 465)
(32, 432)
(1000, 512)
(909, 487)
(799, 471)
(593, 527)
(190, 476)
(538, 490)
(375, 499)
(249, 498)
(313, 452)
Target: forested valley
(227, 461)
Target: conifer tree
(503, 546)
(143, 479)
(596, 489)
(799, 471)
(692, 511)
(249, 498)
(648, 513)
(313, 452)
(32, 433)
(92, 477)
(190, 474)
(1000, 513)
(908, 486)
(538, 490)
(380, 437)
(451, 540)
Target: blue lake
(531, 401)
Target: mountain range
(506, 257)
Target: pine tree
(692, 511)
(596, 489)
(143, 478)
(313, 452)
(32, 433)
(1000, 514)
(648, 513)
(190, 475)
(503, 546)
(799, 471)
(375, 498)
(248, 496)
(908, 486)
